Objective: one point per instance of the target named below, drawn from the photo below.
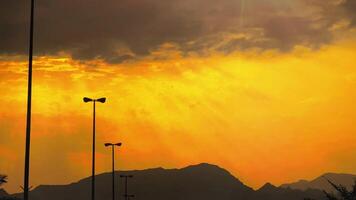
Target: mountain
(321, 182)
(201, 181)
(268, 188)
(197, 182)
(271, 192)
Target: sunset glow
(265, 116)
(268, 96)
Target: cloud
(185, 110)
(332, 11)
(350, 7)
(116, 31)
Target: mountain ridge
(201, 181)
(321, 182)
(193, 179)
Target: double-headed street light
(86, 100)
(126, 195)
(101, 100)
(113, 165)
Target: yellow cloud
(266, 116)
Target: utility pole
(29, 102)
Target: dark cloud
(117, 30)
(350, 7)
(332, 11)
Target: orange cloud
(264, 116)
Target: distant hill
(197, 182)
(202, 181)
(271, 192)
(321, 183)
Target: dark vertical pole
(126, 194)
(93, 159)
(113, 172)
(29, 102)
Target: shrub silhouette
(3, 179)
(342, 192)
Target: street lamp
(86, 100)
(126, 195)
(113, 165)
(29, 102)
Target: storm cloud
(127, 29)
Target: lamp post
(113, 165)
(29, 102)
(86, 100)
(126, 195)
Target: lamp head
(102, 100)
(107, 144)
(86, 99)
(118, 144)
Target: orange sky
(265, 116)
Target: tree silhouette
(342, 192)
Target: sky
(262, 88)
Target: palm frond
(3, 179)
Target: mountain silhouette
(268, 187)
(271, 192)
(197, 182)
(321, 182)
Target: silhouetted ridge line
(321, 183)
(195, 182)
(267, 187)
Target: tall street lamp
(29, 102)
(126, 195)
(86, 100)
(113, 165)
